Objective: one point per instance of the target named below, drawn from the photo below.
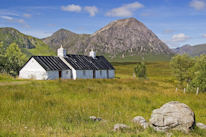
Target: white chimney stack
(92, 54)
(61, 52)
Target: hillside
(28, 44)
(126, 37)
(61, 108)
(191, 50)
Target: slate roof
(51, 63)
(81, 62)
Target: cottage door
(94, 74)
(60, 74)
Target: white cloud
(198, 4)
(181, 37)
(204, 35)
(92, 10)
(125, 10)
(7, 18)
(15, 20)
(5, 12)
(72, 8)
(27, 15)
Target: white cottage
(67, 66)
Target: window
(84, 72)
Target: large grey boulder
(201, 125)
(140, 121)
(173, 116)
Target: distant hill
(121, 38)
(28, 44)
(191, 50)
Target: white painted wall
(74, 74)
(81, 75)
(66, 74)
(52, 75)
(33, 70)
(101, 74)
(111, 74)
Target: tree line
(190, 70)
(11, 59)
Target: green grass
(42, 49)
(62, 107)
(10, 35)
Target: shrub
(14, 59)
(182, 67)
(199, 73)
(140, 70)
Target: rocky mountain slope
(126, 37)
(28, 44)
(191, 50)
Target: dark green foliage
(181, 65)
(190, 70)
(11, 60)
(140, 70)
(2, 57)
(199, 73)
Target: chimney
(61, 52)
(92, 54)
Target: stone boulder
(94, 118)
(201, 125)
(140, 121)
(120, 127)
(173, 116)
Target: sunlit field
(62, 107)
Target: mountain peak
(126, 23)
(62, 30)
(124, 37)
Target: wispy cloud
(71, 8)
(15, 20)
(198, 4)
(5, 12)
(92, 10)
(125, 10)
(204, 35)
(181, 37)
(26, 15)
(7, 18)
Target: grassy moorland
(62, 107)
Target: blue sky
(176, 22)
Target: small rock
(92, 117)
(169, 135)
(95, 118)
(118, 127)
(201, 125)
(141, 121)
(173, 116)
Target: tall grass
(62, 107)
